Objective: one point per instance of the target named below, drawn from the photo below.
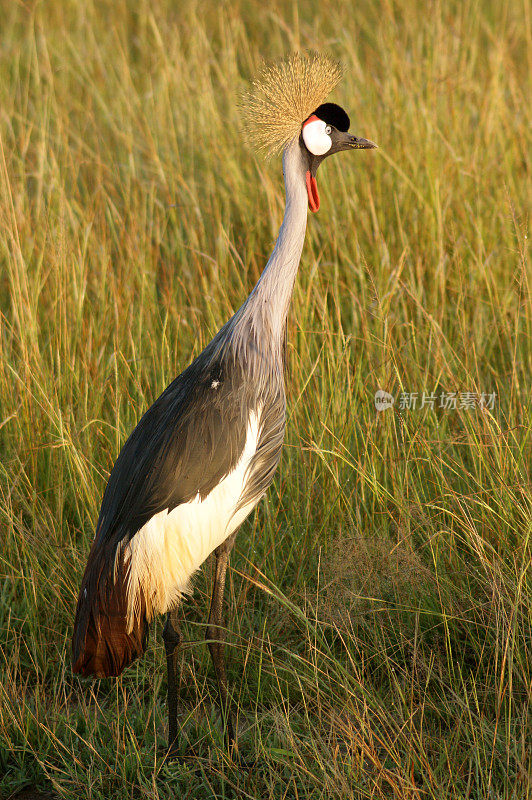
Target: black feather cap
(334, 115)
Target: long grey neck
(263, 315)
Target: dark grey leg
(172, 639)
(215, 633)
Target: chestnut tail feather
(101, 644)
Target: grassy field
(379, 600)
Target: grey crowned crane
(206, 451)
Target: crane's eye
(328, 130)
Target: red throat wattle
(312, 191)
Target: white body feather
(164, 554)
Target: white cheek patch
(316, 140)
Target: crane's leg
(172, 639)
(215, 633)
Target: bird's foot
(174, 756)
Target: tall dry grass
(379, 601)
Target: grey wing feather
(186, 442)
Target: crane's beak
(346, 141)
(340, 141)
(355, 143)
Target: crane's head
(286, 104)
(324, 132)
